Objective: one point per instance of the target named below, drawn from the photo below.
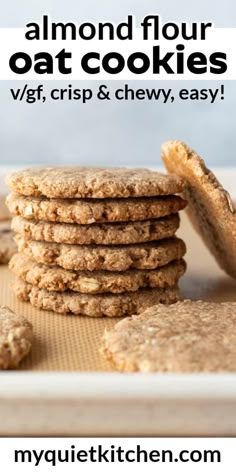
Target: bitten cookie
(103, 234)
(90, 211)
(57, 279)
(93, 182)
(210, 207)
(16, 335)
(112, 258)
(129, 303)
(7, 243)
(186, 337)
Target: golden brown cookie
(16, 335)
(210, 208)
(129, 303)
(92, 182)
(104, 234)
(57, 279)
(90, 211)
(4, 212)
(186, 337)
(7, 244)
(112, 258)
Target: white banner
(106, 454)
(149, 50)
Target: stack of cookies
(95, 241)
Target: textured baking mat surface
(70, 343)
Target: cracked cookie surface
(111, 258)
(186, 337)
(90, 211)
(103, 234)
(57, 279)
(93, 182)
(111, 305)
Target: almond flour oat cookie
(7, 244)
(4, 212)
(186, 337)
(93, 182)
(16, 335)
(87, 212)
(112, 258)
(210, 207)
(57, 279)
(104, 234)
(129, 303)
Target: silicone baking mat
(70, 343)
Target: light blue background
(115, 133)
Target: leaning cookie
(90, 211)
(185, 337)
(16, 335)
(60, 280)
(112, 258)
(103, 234)
(209, 206)
(7, 244)
(111, 305)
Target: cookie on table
(57, 279)
(210, 207)
(186, 337)
(90, 211)
(103, 234)
(111, 305)
(7, 244)
(111, 258)
(16, 335)
(4, 212)
(92, 182)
